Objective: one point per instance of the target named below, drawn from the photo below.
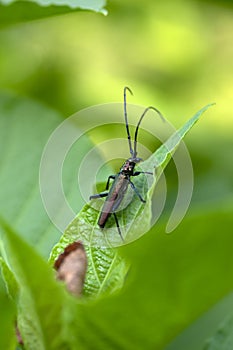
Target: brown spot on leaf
(71, 267)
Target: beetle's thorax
(129, 165)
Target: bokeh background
(175, 55)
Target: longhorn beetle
(122, 180)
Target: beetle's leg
(118, 227)
(104, 194)
(136, 191)
(98, 195)
(136, 173)
(110, 177)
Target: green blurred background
(177, 56)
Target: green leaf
(106, 268)
(171, 283)
(223, 338)
(7, 321)
(17, 11)
(21, 148)
(135, 217)
(20, 201)
(87, 4)
(9, 279)
(207, 329)
(42, 322)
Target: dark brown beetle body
(117, 191)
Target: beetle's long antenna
(126, 120)
(139, 122)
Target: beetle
(121, 180)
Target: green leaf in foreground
(43, 304)
(95, 5)
(9, 279)
(172, 282)
(17, 11)
(223, 338)
(104, 262)
(7, 321)
(212, 331)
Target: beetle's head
(135, 160)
